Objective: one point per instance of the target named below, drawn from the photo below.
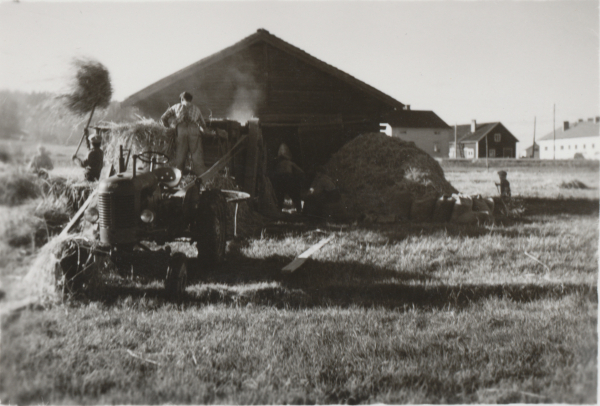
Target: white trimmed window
(492, 153)
(497, 137)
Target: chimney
(565, 126)
(473, 126)
(580, 120)
(408, 107)
(597, 120)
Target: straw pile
(42, 281)
(381, 175)
(17, 186)
(74, 193)
(142, 135)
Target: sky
(508, 61)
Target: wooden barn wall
(295, 87)
(233, 85)
(263, 80)
(507, 140)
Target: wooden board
(301, 259)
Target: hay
(373, 170)
(574, 184)
(41, 280)
(34, 224)
(91, 87)
(142, 135)
(17, 186)
(74, 193)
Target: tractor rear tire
(176, 280)
(210, 228)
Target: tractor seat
(170, 177)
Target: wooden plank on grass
(300, 259)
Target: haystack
(140, 136)
(383, 175)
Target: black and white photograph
(299, 202)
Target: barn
(481, 140)
(300, 100)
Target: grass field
(394, 313)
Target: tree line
(44, 117)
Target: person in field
(323, 193)
(287, 179)
(94, 161)
(187, 119)
(504, 185)
(41, 163)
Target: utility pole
(455, 143)
(487, 153)
(554, 130)
(533, 147)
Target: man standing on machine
(190, 125)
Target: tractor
(148, 204)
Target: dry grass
(17, 185)
(400, 313)
(543, 182)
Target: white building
(574, 140)
(425, 128)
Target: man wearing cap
(187, 119)
(41, 163)
(95, 159)
(287, 179)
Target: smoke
(247, 96)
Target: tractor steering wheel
(147, 157)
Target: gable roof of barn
(464, 134)
(262, 35)
(415, 119)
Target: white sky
(502, 61)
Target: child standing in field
(504, 185)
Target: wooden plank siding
(271, 82)
(507, 141)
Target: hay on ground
(574, 184)
(375, 172)
(17, 186)
(41, 280)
